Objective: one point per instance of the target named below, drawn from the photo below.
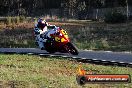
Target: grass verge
(27, 71)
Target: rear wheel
(49, 47)
(71, 49)
(50, 50)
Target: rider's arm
(51, 26)
(36, 30)
(47, 24)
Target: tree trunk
(97, 10)
(127, 10)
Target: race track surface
(97, 56)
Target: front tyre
(71, 49)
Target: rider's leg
(41, 45)
(40, 42)
(36, 40)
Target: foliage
(115, 17)
(38, 7)
(16, 19)
(22, 18)
(9, 20)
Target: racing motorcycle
(60, 42)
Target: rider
(40, 28)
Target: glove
(36, 30)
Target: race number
(64, 32)
(57, 39)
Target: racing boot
(44, 41)
(42, 48)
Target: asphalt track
(98, 57)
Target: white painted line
(65, 56)
(112, 61)
(30, 53)
(74, 57)
(103, 60)
(41, 54)
(108, 51)
(127, 52)
(52, 55)
(88, 50)
(121, 62)
(94, 59)
(83, 58)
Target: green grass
(17, 36)
(27, 71)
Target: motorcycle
(60, 42)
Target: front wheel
(71, 49)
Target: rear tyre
(50, 51)
(49, 47)
(71, 49)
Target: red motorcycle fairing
(60, 42)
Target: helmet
(41, 22)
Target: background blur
(77, 9)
